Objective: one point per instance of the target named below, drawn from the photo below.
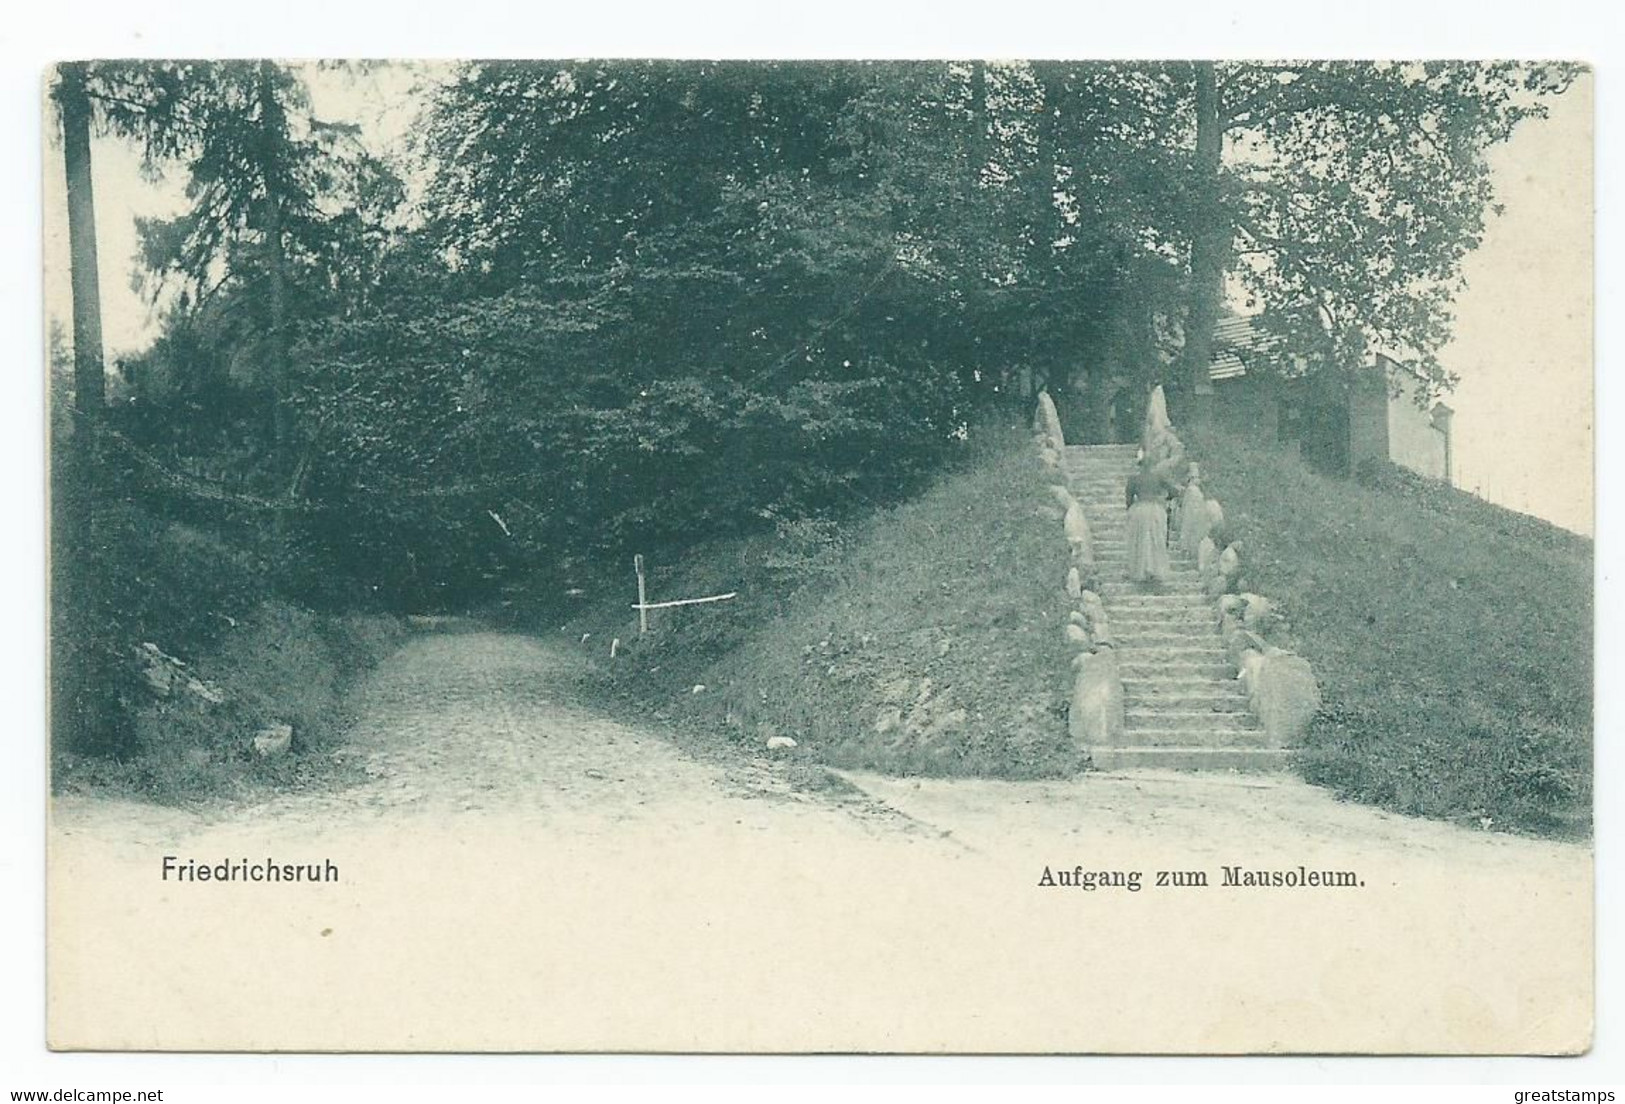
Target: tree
(289, 216)
(654, 299)
(1210, 244)
(79, 704)
(74, 111)
(1350, 194)
(707, 293)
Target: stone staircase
(1183, 707)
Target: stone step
(1185, 624)
(1168, 685)
(1236, 739)
(1179, 578)
(1162, 659)
(1181, 622)
(1182, 629)
(1165, 641)
(1232, 734)
(1147, 665)
(1190, 758)
(1216, 702)
(1174, 690)
(1164, 618)
(1206, 720)
(1191, 609)
(1131, 650)
(1152, 657)
(1195, 610)
(1159, 681)
(1162, 603)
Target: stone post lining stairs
(1183, 707)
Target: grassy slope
(1452, 638)
(954, 596)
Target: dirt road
(521, 872)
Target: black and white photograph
(770, 556)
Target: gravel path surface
(522, 872)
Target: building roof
(1236, 341)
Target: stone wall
(1415, 439)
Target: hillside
(920, 638)
(1452, 638)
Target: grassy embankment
(920, 638)
(1452, 638)
(232, 658)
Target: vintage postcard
(1046, 557)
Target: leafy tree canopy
(644, 300)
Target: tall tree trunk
(1211, 240)
(272, 125)
(1072, 373)
(273, 129)
(83, 699)
(89, 377)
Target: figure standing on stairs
(1147, 496)
(1193, 516)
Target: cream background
(1523, 345)
(835, 28)
(683, 940)
(704, 922)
